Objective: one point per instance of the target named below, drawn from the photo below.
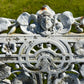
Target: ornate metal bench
(47, 52)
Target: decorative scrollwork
(46, 52)
(52, 54)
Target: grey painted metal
(46, 50)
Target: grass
(13, 8)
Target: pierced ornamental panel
(47, 51)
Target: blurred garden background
(13, 8)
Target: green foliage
(11, 77)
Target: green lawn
(13, 8)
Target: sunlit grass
(13, 8)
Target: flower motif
(9, 48)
